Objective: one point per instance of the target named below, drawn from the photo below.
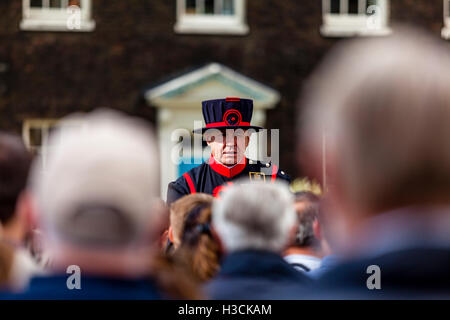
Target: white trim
(55, 19)
(212, 23)
(347, 25)
(214, 68)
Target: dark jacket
(404, 274)
(253, 274)
(54, 287)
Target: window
(345, 18)
(35, 134)
(446, 29)
(211, 17)
(57, 15)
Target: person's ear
(317, 230)
(247, 140)
(160, 221)
(170, 234)
(216, 238)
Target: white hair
(254, 216)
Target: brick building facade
(135, 44)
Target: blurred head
(14, 166)
(227, 146)
(98, 193)
(384, 107)
(307, 209)
(254, 216)
(200, 249)
(180, 209)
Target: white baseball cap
(100, 180)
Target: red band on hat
(223, 124)
(232, 99)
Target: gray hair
(254, 216)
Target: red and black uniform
(212, 177)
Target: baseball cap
(100, 179)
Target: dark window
(35, 137)
(353, 6)
(36, 3)
(55, 3)
(190, 6)
(335, 6)
(209, 6)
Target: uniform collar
(227, 171)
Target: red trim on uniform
(232, 99)
(227, 171)
(224, 124)
(189, 181)
(274, 173)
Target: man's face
(228, 146)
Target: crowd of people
(88, 222)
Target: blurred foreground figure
(253, 222)
(17, 264)
(96, 205)
(384, 107)
(304, 252)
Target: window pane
(190, 6)
(370, 11)
(353, 6)
(35, 137)
(228, 7)
(55, 3)
(36, 3)
(335, 6)
(209, 6)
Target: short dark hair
(15, 163)
(306, 216)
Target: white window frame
(347, 25)
(44, 125)
(445, 32)
(56, 19)
(212, 23)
